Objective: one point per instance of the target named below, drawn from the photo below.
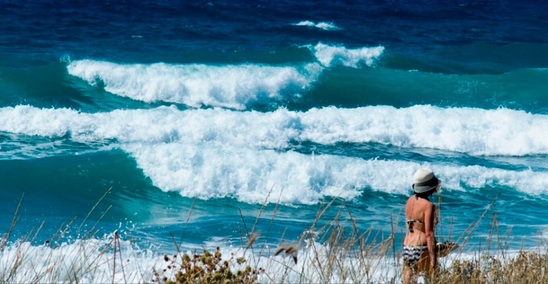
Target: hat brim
(426, 188)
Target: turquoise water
(199, 122)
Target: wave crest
(197, 85)
(329, 55)
(327, 26)
(221, 153)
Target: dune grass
(339, 252)
(335, 252)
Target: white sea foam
(83, 261)
(463, 130)
(232, 86)
(293, 178)
(250, 175)
(228, 86)
(216, 152)
(95, 261)
(329, 55)
(328, 26)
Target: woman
(419, 245)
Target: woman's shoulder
(410, 200)
(422, 202)
(426, 203)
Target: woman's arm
(429, 217)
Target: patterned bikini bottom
(412, 254)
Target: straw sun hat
(424, 180)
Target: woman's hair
(427, 193)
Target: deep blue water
(192, 114)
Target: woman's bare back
(415, 211)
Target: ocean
(188, 124)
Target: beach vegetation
(334, 252)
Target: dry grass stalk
(335, 252)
